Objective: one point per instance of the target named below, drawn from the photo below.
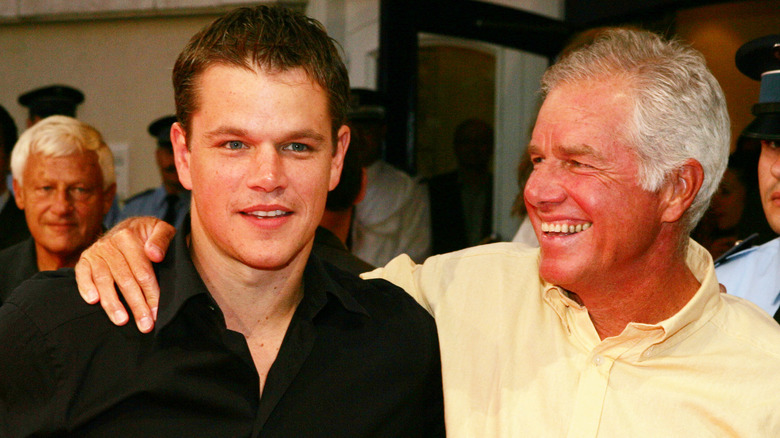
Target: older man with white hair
(63, 178)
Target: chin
(559, 273)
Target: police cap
(161, 130)
(759, 59)
(52, 100)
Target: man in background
(754, 274)
(170, 201)
(51, 100)
(13, 228)
(462, 200)
(394, 216)
(64, 182)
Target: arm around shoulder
(409, 276)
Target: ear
(18, 194)
(181, 155)
(108, 198)
(337, 160)
(680, 189)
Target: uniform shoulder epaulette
(741, 249)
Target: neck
(172, 189)
(646, 299)
(338, 223)
(253, 301)
(48, 261)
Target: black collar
(180, 282)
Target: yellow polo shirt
(520, 358)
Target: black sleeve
(27, 376)
(435, 404)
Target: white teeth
(564, 228)
(272, 213)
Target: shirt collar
(697, 312)
(179, 282)
(320, 286)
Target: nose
(268, 173)
(62, 203)
(775, 169)
(544, 187)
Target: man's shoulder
(17, 263)
(500, 256)
(748, 327)
(753, 271)
(457, 275)
(745, 258)
(50, 299)
(10, 252)
(380, 297)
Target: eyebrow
(582, 149)
(240, 132)
(575, 150)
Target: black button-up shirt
(360, 358)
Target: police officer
(43, 102)
(51, 100)
(170, 201)
(754, 274)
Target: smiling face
(595, 224)
(260, 164)
(769, 182)
(64, 203)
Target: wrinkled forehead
(79, 165)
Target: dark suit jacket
(17, 263)
(13, 226)
(448, 223)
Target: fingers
(159, 239)
(95, 284)
(86, 286)
(122, 258)
(123, 253)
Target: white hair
(60, 136)
(679, 111)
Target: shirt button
(597, 360)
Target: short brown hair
(273, 38)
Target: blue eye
(234, 145)
(296, 147)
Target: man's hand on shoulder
(124, 256)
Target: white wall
(123, 64)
